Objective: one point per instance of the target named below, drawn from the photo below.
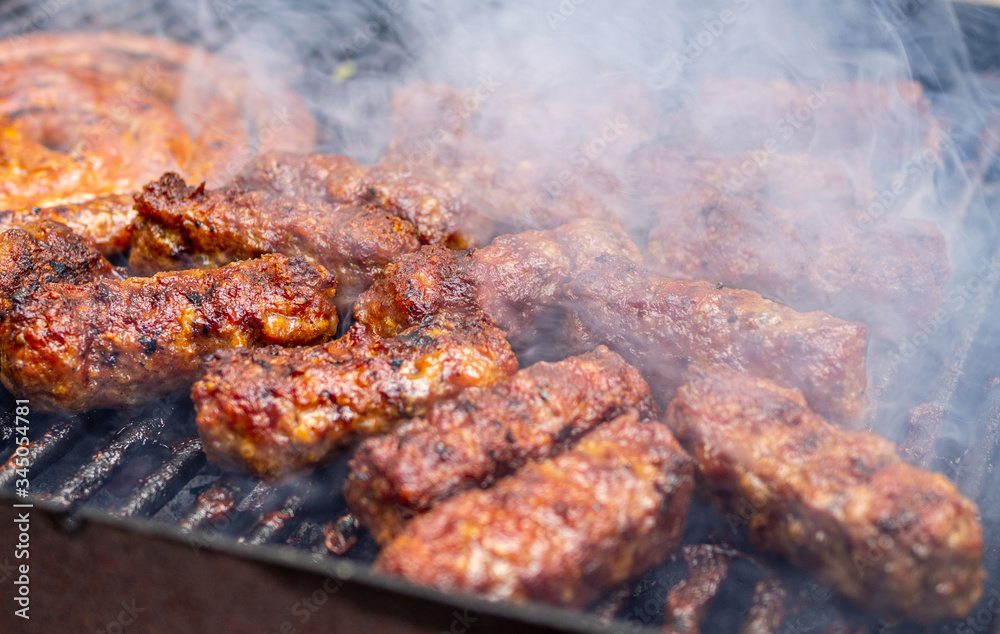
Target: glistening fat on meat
(897, 539)
(122, 343)
(486, 433)
(561, 531)
(274, 413)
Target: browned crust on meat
(487, 433)
(122, 343)
(93, 114)
(43, 251)
(810, 253)
(105, 220)
(516, 281)
(897, 539)
(273, 413)
(561, 531)
(527, 161)
(664, 326)
(189, 227)
(436, 206)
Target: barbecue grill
(132, 530)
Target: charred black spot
(396, 363)
(263, 363)
(194, 297)
(59, 268)
(149, 344)
(509, 437)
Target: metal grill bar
(158, 488)
(272, 525)
(54, 444)
(104, 464)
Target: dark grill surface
(149, 463)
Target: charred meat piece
(436, 206)
(183, 227)
(810, 253)
(561, 531)
(105, 220)
(516, 281)
(527, 161)
(843, 505)
(123, 343)
(530, 281)
(43, 251)
(487, 433)
(273, 412)
(665, 326)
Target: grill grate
(150, 464)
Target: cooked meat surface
(584, 282)
(183, 227)
(105, 220)
(810, 252)
(123, 343)
(665, 327)
(273, 412)
(516, 281)
(486, 433)
(86, 115)
(895, 538)
(878, 125)
(561, 531)
(437, 207)
(43, 251)
(527, 161)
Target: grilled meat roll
(561, 531)
(807, 250)
(123, 343)
(526, 160)
(895, 538)
(43, 251)
(188, 227)
(584, 282)
(105, 220)
(273, 412)
(664, 326)
(436, 206)
(486, 433)
(517, 280)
